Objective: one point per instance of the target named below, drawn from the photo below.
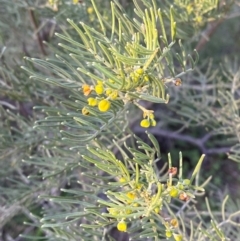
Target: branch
(212, 26)
(35, 25)
(199, 142)
(207, 33)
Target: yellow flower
(85, 111)
(86, 89)
(122, 179)
(122, 226)
(173, 192)
(139, 71)
(75, 1)
(131, 195)
(145, 123)
(177, 237)
(104, 105)
(168, 233)
(90, 10)
(92, 101)
(99, 89)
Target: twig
(35, 25)
(199, 142)
(211, 28)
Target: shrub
(82, 166)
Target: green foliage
(80, 166)
(113, 56)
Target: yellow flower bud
(153, 122)
(100, 82)
(180, 186)
(189, 9)
(114, 95)
(108, 92)
(90, 10)
(139, 186)
(75, 1)
(128, 211)
(86, 89)
(85, 111)
(178, 82)
(186, 182)
(132, 74)
(168, 233)
(99, 89)
(145, 123)
(174, 222)
(111, 81)
(113, 211)
(136, 77)
(92, 101)
(131, 195)
(122, 179)
(104, 105)
(173, 192)
(122, 226)
(156, 210)
(183, 196)
(146, 78)
(178, 237)
(151, 116)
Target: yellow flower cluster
(149, 120)
(138, 74)
(102, 96)
(136, 80)
(130, 199)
